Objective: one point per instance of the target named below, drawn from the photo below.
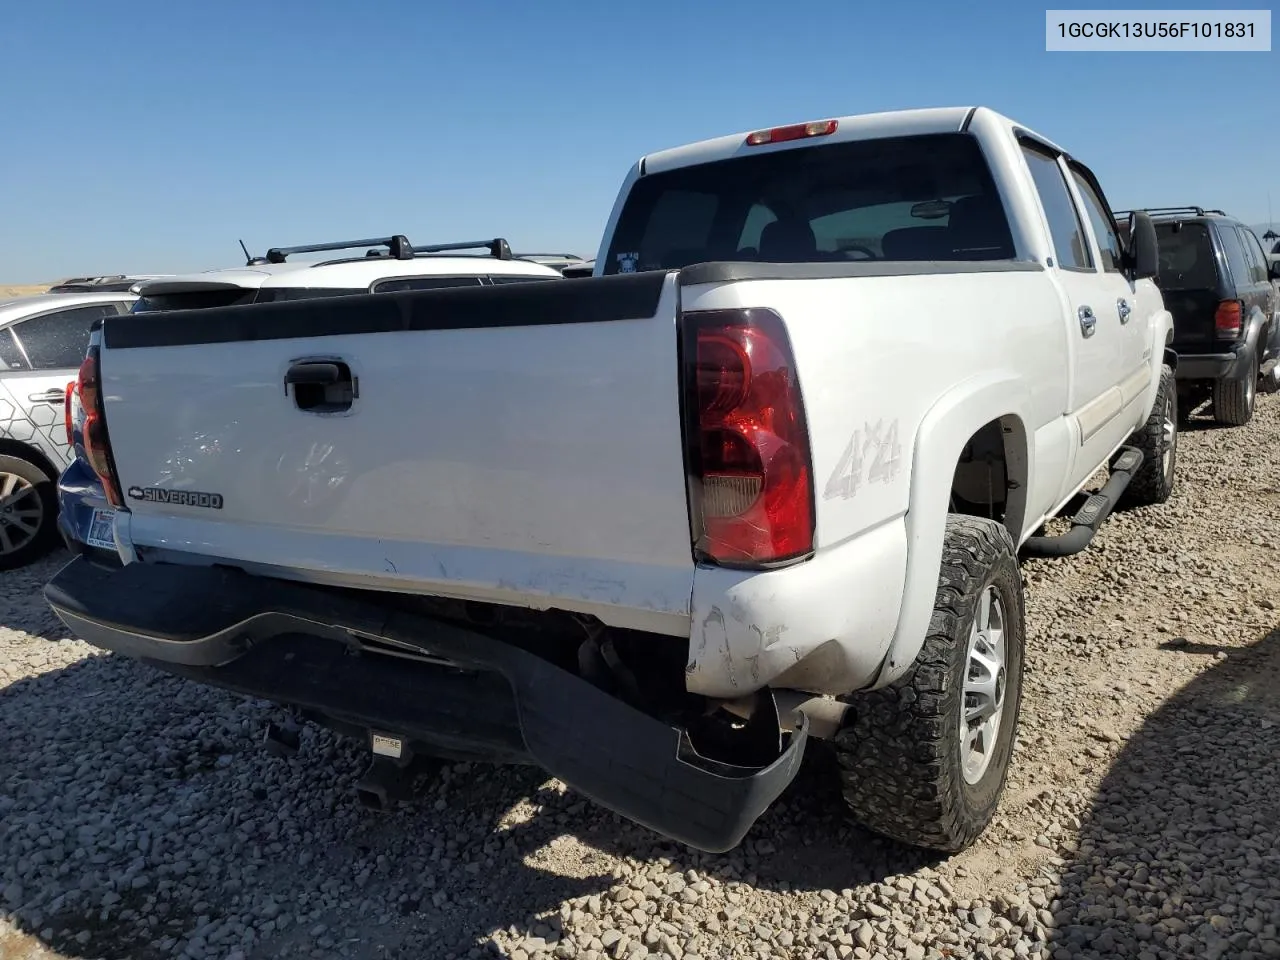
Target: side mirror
(1144, 248)
(1274, 270)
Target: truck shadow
(1179, 853)
(140, 817)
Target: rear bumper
(301, 645)
(1213, 366)
(79, 494)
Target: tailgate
(519, 443)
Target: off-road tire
(900, 754)
(47, 535)
(1234, 400)
(1153, 483)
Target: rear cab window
(928, 197)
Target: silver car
(42, 343)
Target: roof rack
(1194, 211)
(397, 246)
(497, 247)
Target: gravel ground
(139, 818)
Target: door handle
(321, 385)
(1088, 322)
(312, 372)
(1122, 308)
(49, 396)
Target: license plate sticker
(100, 529)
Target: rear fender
(940, 439)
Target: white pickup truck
(764, 476)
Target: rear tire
(1158, 441)
(28, 512)
(908, 765)
(1233, 400)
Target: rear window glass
(276, 294)
(1186, 257)
(519, 279)
(396, 284)
(193, 300)
(902, 198)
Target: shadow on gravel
(140, 818)
(1180, 854)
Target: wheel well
(1171, 358)
(16, 448)
(990, 479)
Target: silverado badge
(185, 498)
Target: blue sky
(147, 136)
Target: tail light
(97, 445)
(66, 413)
(1228, 320)
(751, 477)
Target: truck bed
(480, 456)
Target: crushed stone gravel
(140, 817)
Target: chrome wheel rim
(1169, 433)
(21, 512)
(982, 705)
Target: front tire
(1233, 400)
(28, 513)
(924, 760)
(1158, 441)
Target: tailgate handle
(309, 372)
(322, 385)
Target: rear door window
(901, 198)
(1187, 260)
(59, 340)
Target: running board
(1095, 510)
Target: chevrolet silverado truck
(764, 477)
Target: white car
(400, 267)
(42, 343)
(765, 476)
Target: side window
(1234, 250)
(10, 356)
(1253, 251)
(1064, 220)
(58, 341)
(1103, 226)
